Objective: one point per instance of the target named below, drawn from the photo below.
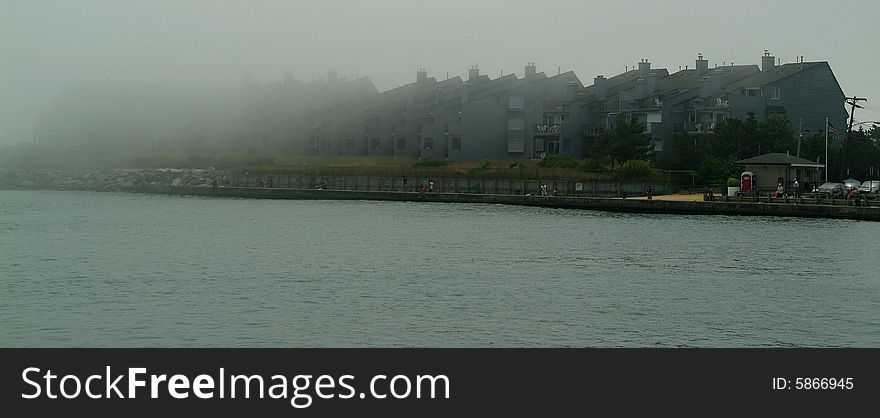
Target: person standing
(797, 189)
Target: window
(775, 93)
(401, 142)
(753, 92)
(515, 142)
(375, 143)
(456, 142)
(516, 102)
(313, 141)
(515, 145)
(516, 124)
(429, 143)
(349, 142)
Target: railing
(546, 129)
(450, 185)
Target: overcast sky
(48, 45)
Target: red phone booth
(747, 182)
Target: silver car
(870, 186)
(851, 184)
(835, 190)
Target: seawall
(567, 202)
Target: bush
(634, 169)
(732, 182)
(516, 165)
(597, 163)
(558, 161)
(483, 165)
(429, 162)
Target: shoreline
(610, 204)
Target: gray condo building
(695, 99)
(539, 115)
(508, 117)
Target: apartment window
(514, 145)
(516, 102)
(456, 142)
(775, 93)
(375, 143)
(429, 143)
(401, 142)
(349, 142)
(753, 92)
(516, 124)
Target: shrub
(429, 162)
(558, 161)
(732, 182)
(597, 163)
(483, 165)
(634, 169)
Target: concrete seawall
(604, 204)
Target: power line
(854, 102)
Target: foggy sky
(46, 46)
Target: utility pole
(852, 101)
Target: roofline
(817, 165)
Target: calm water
(110, 269)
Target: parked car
(851, 183)
(870, 186)
(832, 189)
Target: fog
(208, 55)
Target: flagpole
(826, 150)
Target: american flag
(832, 131)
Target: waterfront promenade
(810, 208)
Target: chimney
(702, 65)
(644, 68)
(767, 61)
(653, 82)
(421, 75)
(599, 88)
(705, 87)
(641, 88)
(530, 69)
(473, 73)
(572, 91)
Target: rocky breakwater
(107, 179)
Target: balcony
(544, 129)
(555, 106)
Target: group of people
(267, 183)
(422, 188)
(795, 187)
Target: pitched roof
(689, 79)
(778, 158)
(766, 77)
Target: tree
(626, 140)
(777, 134)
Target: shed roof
(778, 158)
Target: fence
(449, 185)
